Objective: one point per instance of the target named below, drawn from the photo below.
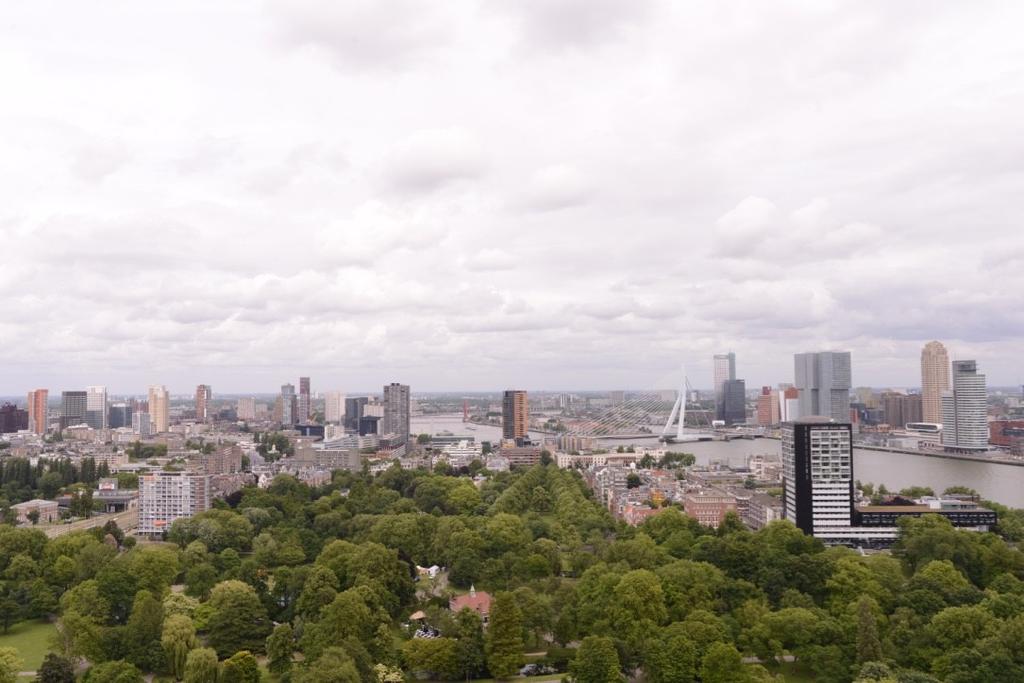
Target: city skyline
(577, 203)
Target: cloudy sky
(476, 194)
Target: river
(1001, 483)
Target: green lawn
(32, 641)
(791, 672)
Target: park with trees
(294, 583)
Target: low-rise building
(478, 601)
(709, 506)
(48, 511)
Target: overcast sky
(547, 194)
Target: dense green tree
(143, 633)
(869, 647)
(55, 669)
(280, 647)
(240, 667)
(10, 665)
(238, 621)
(504, 636)
(201, 666)
(435, 656)
(596, 662)
(178, 639)
(723, 664)
(470, 647)
(117, 671)
(334, 666)
(673, 660)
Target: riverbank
(984, 459)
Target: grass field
(32, 641)
(791, 672)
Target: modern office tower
(246, 409)
(159, 409)
(72, 408)
(934, 380)
(817, 476)
(304, 401)
(354, 410)
(732, 408)
(120, 415)
(396, 411)
(768, 413)
(96, 407)
(142, 424)
(823, 382)
(964, 412)
(38, 410)
(725, 368)
(287, 408)
(166, 496)
(901, 409)
(334, 407)
(515, 416)
(12, 419)
(204, 395)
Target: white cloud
(554, 193)
(430, 159)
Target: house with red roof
(479, 602)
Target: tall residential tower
(515, 416)
(964, 411)
(934, 380)
(396, 411)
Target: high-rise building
(38, 410)
(73, 405)
(165, 496)
(304, 401)
(12, 418)
(141, 423)
(354, 411)
(246, 409)
(334, 407)
(732, 406)
(120, 415)
(288, 405)
(96, 407)
(823, 381)
(817, 476)
(901, 409)
(768, 413)
(934, 380)
(204, 395)
(159, 409)
(515, 416)
(396, 411)
(964, 411)
(725, 368)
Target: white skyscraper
(96, 407)
(964, 410)
(334, 407)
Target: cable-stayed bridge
(647, 415)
